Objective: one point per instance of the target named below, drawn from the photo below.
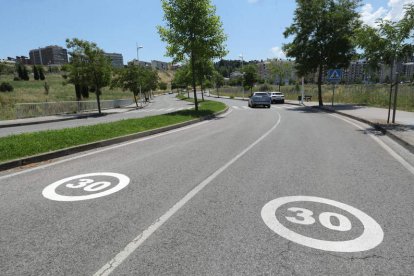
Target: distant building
(356, 72)
(159, 65)
(22, 60)
(264, 70)
(236, 75)
(141, 63)
(117, 59)
(50, 55)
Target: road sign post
(334, 76)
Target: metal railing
(26, 110)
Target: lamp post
(241, 57)
(140, 93)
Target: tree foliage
(136, 79)
(41, 73)
(193, 32)
(388, 42)
(250, 76)
(88, 66)
(35, 73)
(323, 31)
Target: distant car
(260, 99)
(277, 97)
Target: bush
(6, 87)
(265, 87)
(16, 79)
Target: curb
(378, 127)
(76, 149)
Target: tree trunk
(390, 99)
(98, 92)
(135, 98)
(202, 90)
(194, 81)
(320, 85)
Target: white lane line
(381, 143)
(235, 107)
(109, 148)
(245, 107)
(140, 239)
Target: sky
(254, 27)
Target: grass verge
(29, 144)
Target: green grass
(28, 144)
(34, 92)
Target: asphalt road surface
(280, 191)
(160, 105)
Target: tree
(41, 73)
(250, 76)
(128, 78)
(218, 80)
(387, 44)
(280, 70)
(204, 68)
(182, 78)
(149, 82)
(25, 73)
(193, 32)
(322, 31)
(89, 66)
(162, 86)
(35, 72)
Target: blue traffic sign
(334, 75)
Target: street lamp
(241, 57)
(138, 47)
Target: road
(161, 105)
(280, 191)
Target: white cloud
(394, 12)
(278, 52)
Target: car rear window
(261, 94)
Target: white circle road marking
(370, 238)
(50, 191)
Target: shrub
(6, 87)
(16, 78)
(265, 87)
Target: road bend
(280, 191)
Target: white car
(277, 97)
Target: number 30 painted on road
(324, 218)
(371, 237)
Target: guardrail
(26, 110)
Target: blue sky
(254, 27)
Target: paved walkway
(402, 131)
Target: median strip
(23, 149)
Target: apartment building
(159, 65)
(50, 55)
(117, 59)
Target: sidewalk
(65, 117)
(402, 131)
